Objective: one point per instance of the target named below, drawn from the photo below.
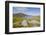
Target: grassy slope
(17, 21)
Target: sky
(27, 10)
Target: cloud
(19, 9)
(26, 10)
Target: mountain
(22, 15)
(19, 14)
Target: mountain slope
(22, 15)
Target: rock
(24, 23)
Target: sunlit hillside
(23, 20)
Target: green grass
(17, 21)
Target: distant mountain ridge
(22, 15)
